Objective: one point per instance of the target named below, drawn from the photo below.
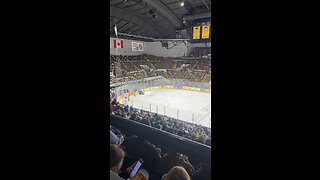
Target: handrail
(182, 145)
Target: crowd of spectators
(163, 63)
(158, 162)
(138, 67)
(127, 76)
(126, 149)
(191, 131)
(127, 71)
(170, 166)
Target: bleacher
(137, 67)
(142, 141)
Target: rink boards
(185, 103)
(179, 88)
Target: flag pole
(117, 57)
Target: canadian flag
(117, 44)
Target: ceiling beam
(130, 16)
(206, 4)
(137, 30)
(126, 30)
(197, 16)
(165, 11)
(119, 28)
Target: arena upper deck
(157, 18)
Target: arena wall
(150, 48)
(121, 97)
(159, 83)
(124, 101)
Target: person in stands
(176, 173)
(116, 158)
(111, 107)
(116, 161)
(114, 139)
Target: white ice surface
(185, 105)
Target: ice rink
(185, 105)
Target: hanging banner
(196, 32)
(137, 46)
(205, 31)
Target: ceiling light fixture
(182, 4)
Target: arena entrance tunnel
(179, 144)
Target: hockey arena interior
(160, 89)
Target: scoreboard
(201, 30)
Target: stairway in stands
(152, 66)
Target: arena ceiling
(156, 18)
